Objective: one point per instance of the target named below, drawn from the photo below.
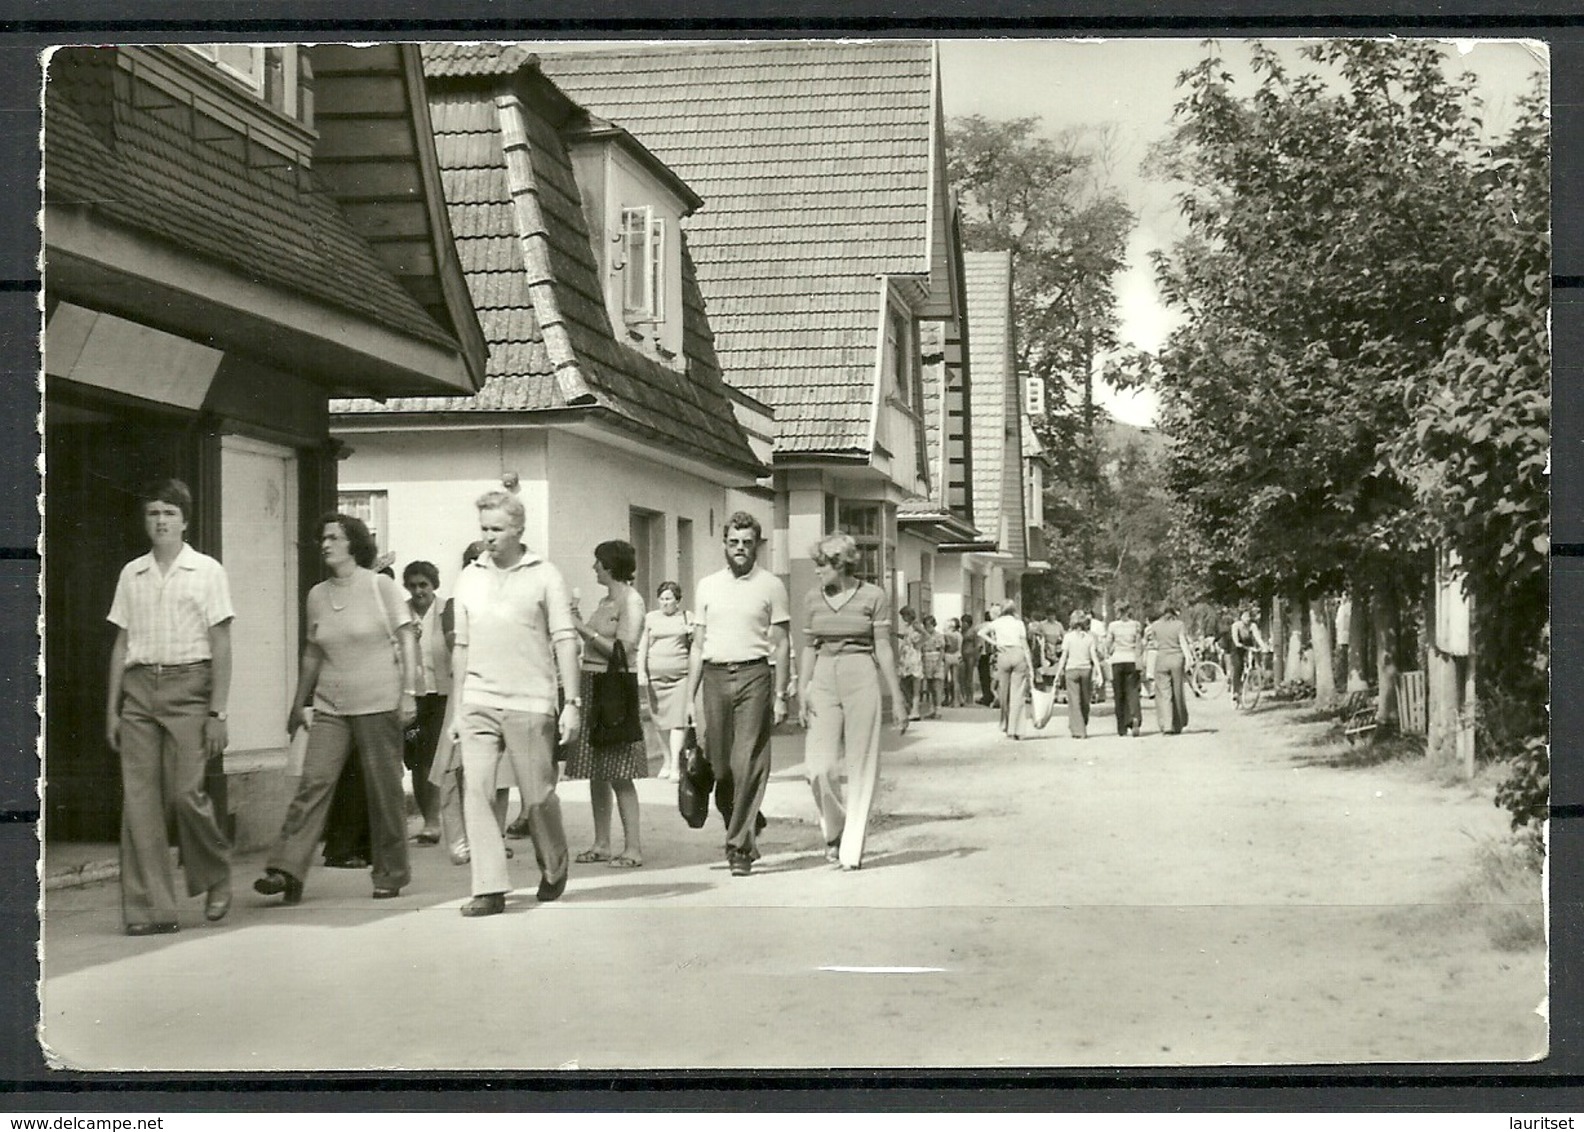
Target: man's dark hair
(364, 549)
(619, 559)
(422, 569)
(171, 491)
(742, 521)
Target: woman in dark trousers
(1124, 639)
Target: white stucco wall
(576, 491)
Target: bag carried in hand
(613, 715)
(695, 780)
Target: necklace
(339, 583)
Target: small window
(643, 265)
(242, 61)
(862, 522)
(1033, 396)
(371, 507)
(899, 349)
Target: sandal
(591, 857)
(622, 861)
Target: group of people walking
(1078, 658)
(490, 689)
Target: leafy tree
(1046, 198)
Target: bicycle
(1207, 679)
(1256, 678)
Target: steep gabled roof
(816, 161)
(115, 148)
(997, 409)
(517, 301)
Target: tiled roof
(688, 411)
(110, 148)
(997, 478)
(814, 163)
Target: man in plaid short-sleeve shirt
(170, 678)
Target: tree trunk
(1358, 640)
(1294, 643)
(1383, 616)
(1320, 621)
(1277, 638)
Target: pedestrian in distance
(357, 671)
(951, 661)
(847, 657)
(166, 715)
(1075, 671)
(971, 648)
(662, 669)
(516, 649)
(618, 620)
(739, 664)
(1174, 655)
(910, 659)
(1009, 636)
(932, 658)
(987, 692)
(432, 687)
(1123, 642)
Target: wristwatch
(220, 715)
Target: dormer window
(270, 74)
(643, 265)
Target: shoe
(490, 904)
(162, 927)
(623, 861)
(759, 823)
(851, 868)
(461, 853)
(386, 893)
(549, 891)
(591, 857)
(426, 837)
(833, 852)
(518, 829)
(740, 866)
(276, 883)
(218, 902)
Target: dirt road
(1220, 897)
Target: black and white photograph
(795, 554)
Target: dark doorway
(97, 460)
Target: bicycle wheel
(1254, 681)
(1209, 679)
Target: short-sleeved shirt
(1079, 645)
(167, 617)
(851, 627)
(1126, 637)
(510, 620)
(1006, 633)
(624, 623)
(433, 677)
(670, 637)
(1171, 638)
(354, 626)
(736, 614)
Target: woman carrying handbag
(610, 634)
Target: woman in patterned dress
(619, 616)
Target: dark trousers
(1235, 664)
(162, 777)
(1080, 687)
(986, 680)
(418, 753)
(332, 739)
(347, 826)
(1171, 692)
(1125, 679)
(737, 723)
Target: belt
(735, 665)
(162, 669)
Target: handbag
(614, 717)
(694, 782)
(1044, 702)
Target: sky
(1130, 84)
